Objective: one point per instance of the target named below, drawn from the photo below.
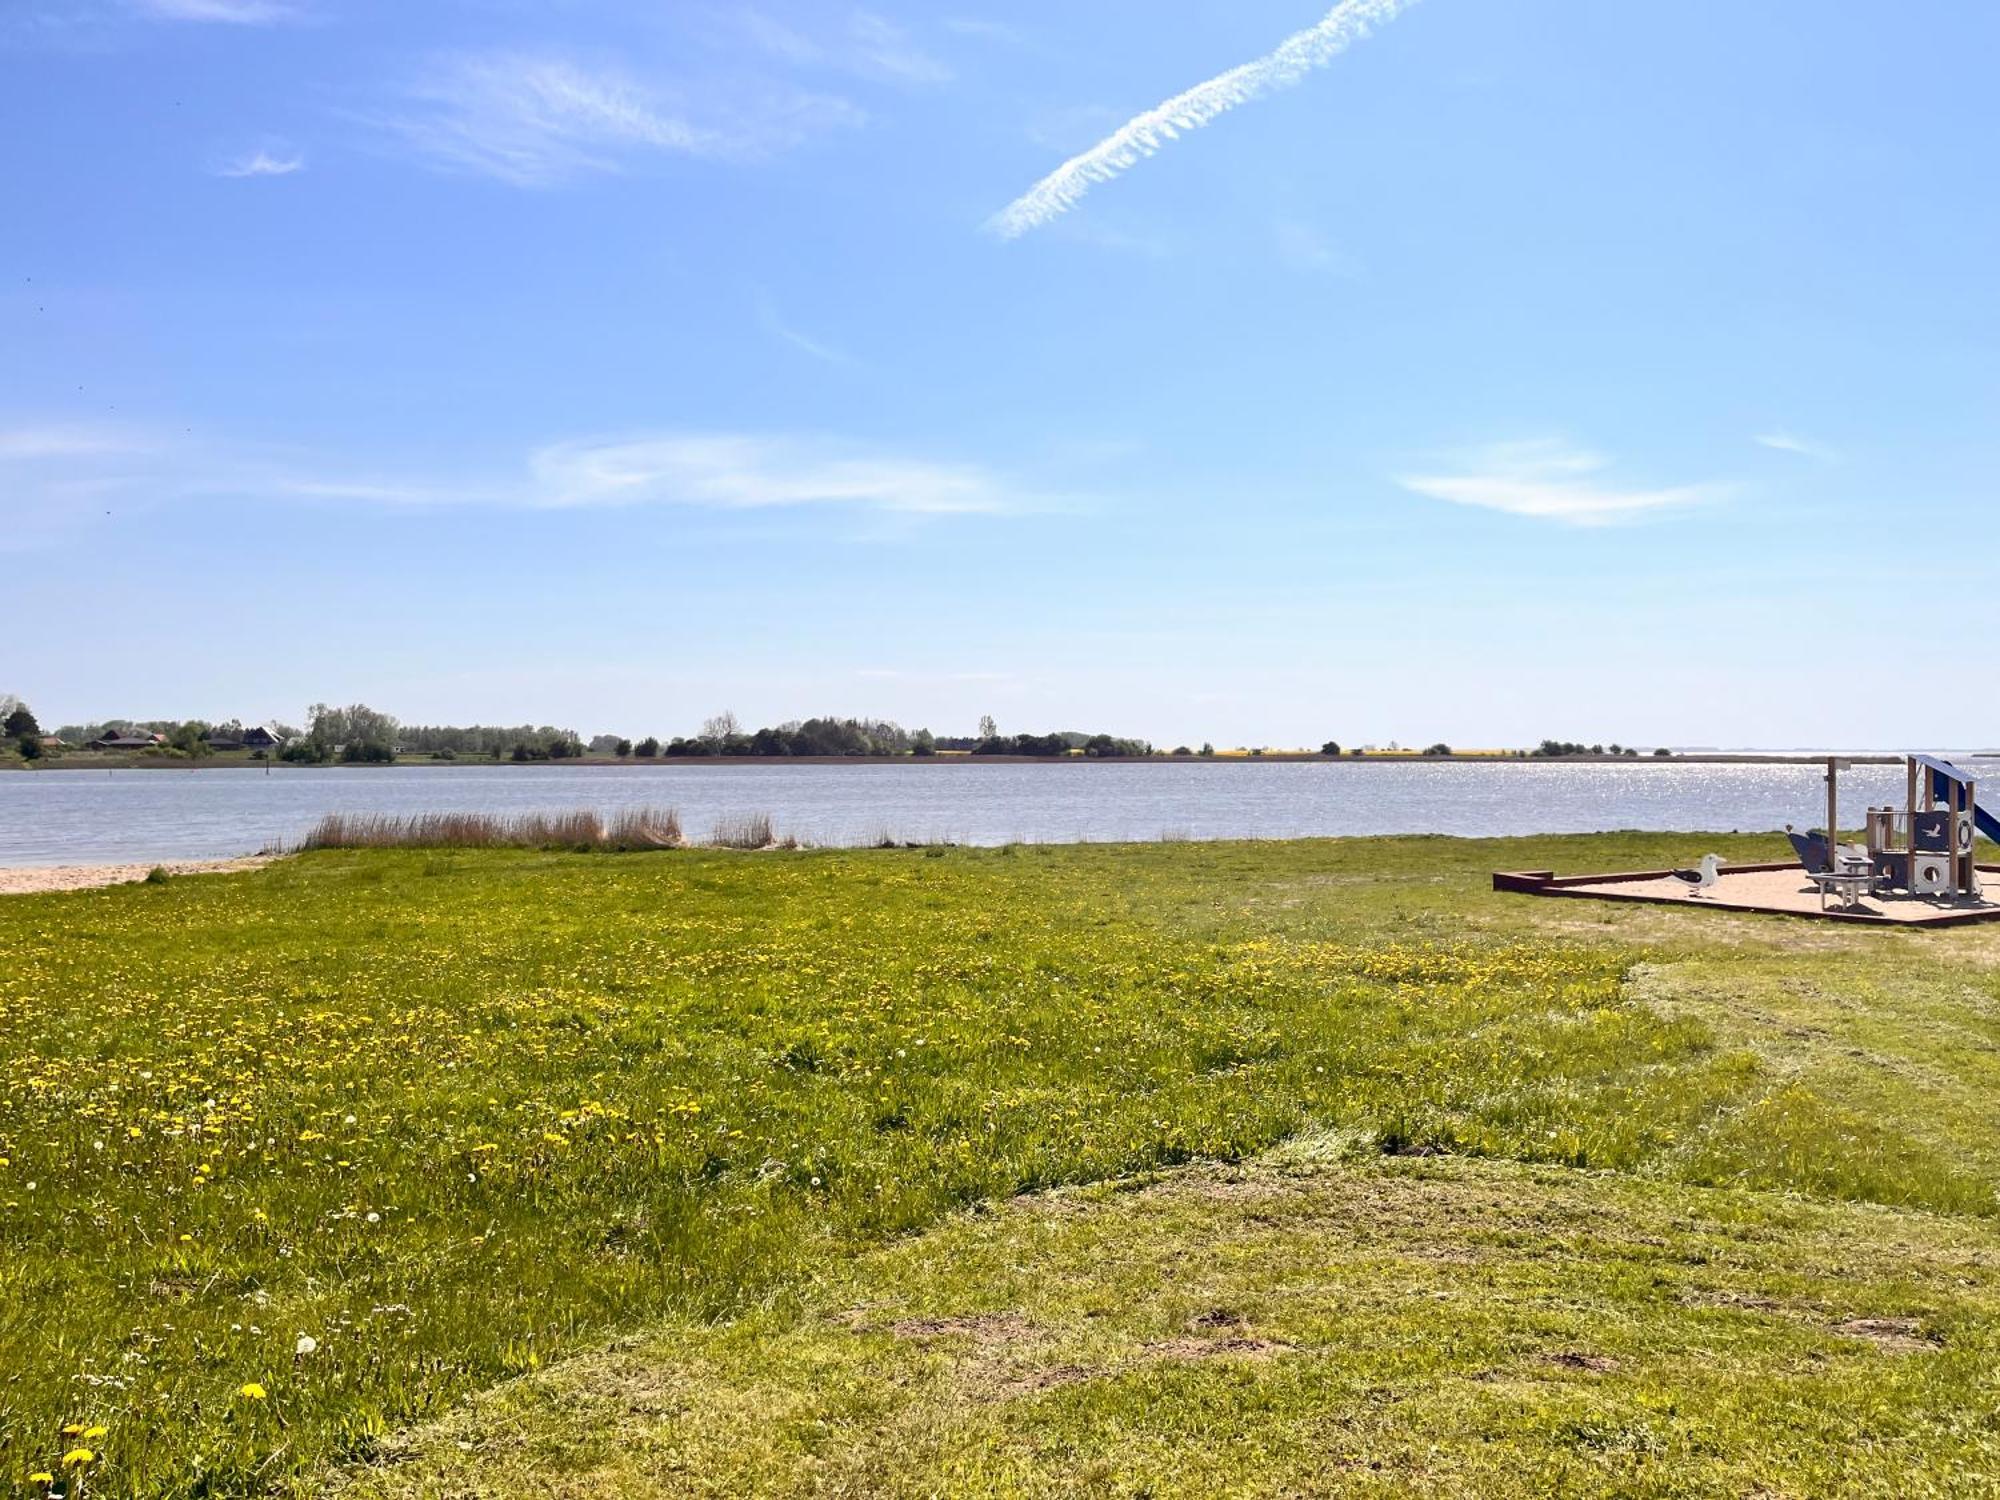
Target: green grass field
(708, 1171)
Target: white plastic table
(1849, 886)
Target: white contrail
(1315, 47)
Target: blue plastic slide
(1943, 774)
(1986, 823)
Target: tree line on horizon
(358, 734)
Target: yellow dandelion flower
(251, 1391)
(91, 1434)
(76, 1458)
(73, 1429)
(41, 1476)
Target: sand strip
(25, 879)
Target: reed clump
(747, 831)
(631, 829)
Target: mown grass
(451, 1115)
(1301, 1326)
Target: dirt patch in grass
(1896, 1335)
(1571, 1359)
(984, 1328)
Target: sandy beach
(26, 879)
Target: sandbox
(1781, 890)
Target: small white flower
(307, 1344)
(374, 1218)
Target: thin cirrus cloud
(710, 470)
(773, 322)
(1142, 136)
(58, 477)
(1786, 442)
(733, 471)
(225, 12)
(863, 44)
(536, 120)
(1550, 481)
(262, 162)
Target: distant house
(54, 742)
(258, 738)
(138, 740)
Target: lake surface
(78, 816)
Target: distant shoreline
(93, 762)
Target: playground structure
(1926, 848)
(1916, 864)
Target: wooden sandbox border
(1548, 883)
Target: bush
(647, 749)
(1331, 747)
(1438, 750)
(623, 749)
(30, 747)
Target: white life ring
(1965, 835)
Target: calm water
(86, 817)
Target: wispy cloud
(1785, 442)
(862, 43)
(773, 323)
(884, 47)
(736, 471)
(985, 30)
(56, 476)
(263, 162)
(536, 120)
(1304, 248)
(1550, 481)
(711, 470)
(1294, 58)
(227, 12)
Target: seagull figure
(1703, 879)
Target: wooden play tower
(1926, 846)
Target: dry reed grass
(632, 828)
(748, 831)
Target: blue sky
(1603, 370)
